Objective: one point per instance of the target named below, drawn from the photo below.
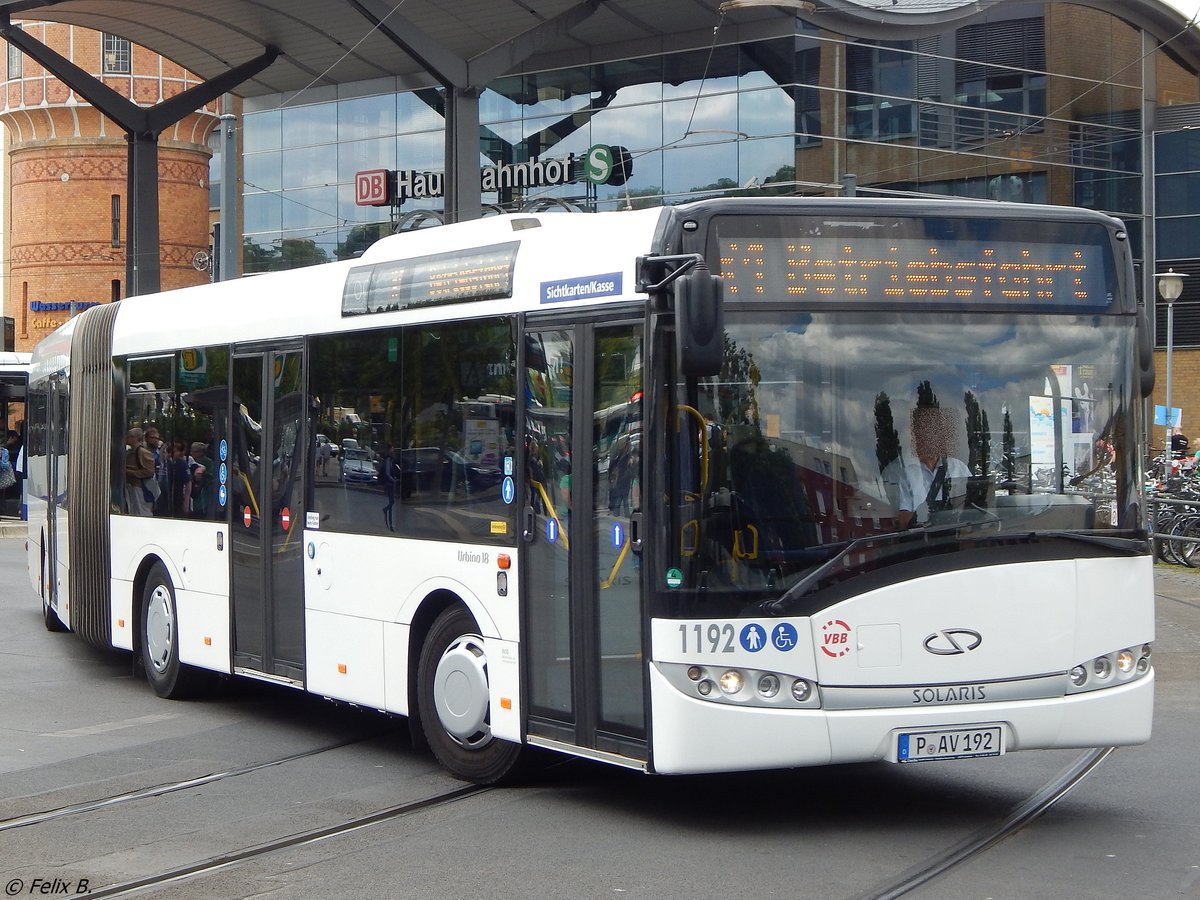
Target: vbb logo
(835, 638)
(371, 188)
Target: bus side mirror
(699, 322)
(1145, 352)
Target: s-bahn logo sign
(601, 164)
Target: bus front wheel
(454, 702)
(160, 639)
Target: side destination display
(478, 273)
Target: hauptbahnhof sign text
(601, 164)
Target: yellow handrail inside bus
(249, 491)
(699, 417)
(738, 551)
(612, 576)
(692, 528)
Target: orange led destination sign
(878, 269)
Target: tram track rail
(929, 870)
(86, 806)
(976, 844)
(299, 839)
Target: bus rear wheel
(454, 702)
(160, 639)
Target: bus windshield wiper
(929, 534)
(923, 534)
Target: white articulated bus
(733, 485)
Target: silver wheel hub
(460, 692)
(160, 627)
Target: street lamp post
(1170, 286)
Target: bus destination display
(874, 269)
(479, 273)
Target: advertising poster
(1041, 432)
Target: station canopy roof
(468, 42)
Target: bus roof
(306, 301)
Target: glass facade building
(1011, 106)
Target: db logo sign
(371, 188)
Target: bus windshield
(838, 443)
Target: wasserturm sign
(601, 164)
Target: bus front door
(266, 500)
(582, 598)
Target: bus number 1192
(708, 640)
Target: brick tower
(67, 170)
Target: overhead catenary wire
(370, 31)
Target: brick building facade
(67, 180)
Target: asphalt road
(76, 725)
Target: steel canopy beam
(464, 80)
(142, 126)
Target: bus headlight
(731, 681)
(1111, 669)
(768, 685)
(742, 686)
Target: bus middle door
(268, 464)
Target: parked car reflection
(456, 467)
(357, 466)
(424, 469)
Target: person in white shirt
(932, 477)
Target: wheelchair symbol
(784, 637)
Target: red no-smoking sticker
(246, 516)
(835, 638)
(285, 518)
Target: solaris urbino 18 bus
(732, 485)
